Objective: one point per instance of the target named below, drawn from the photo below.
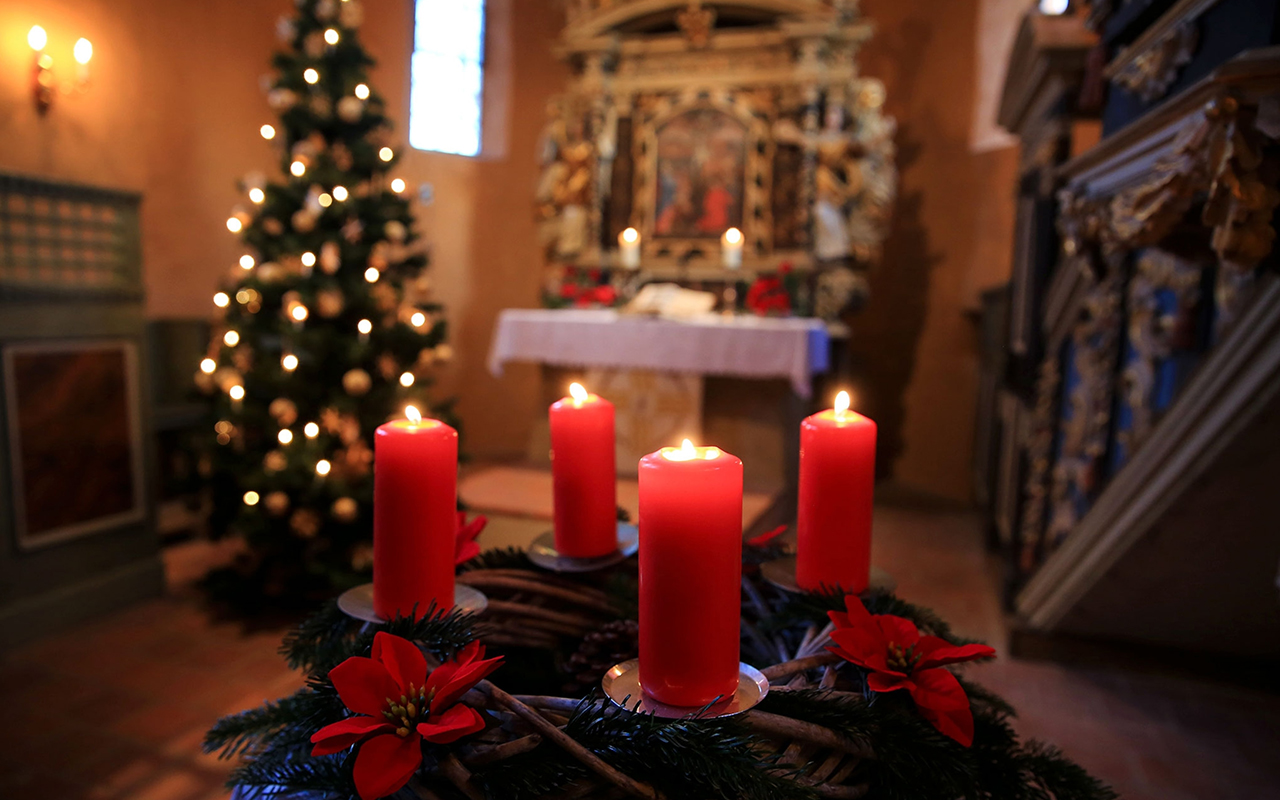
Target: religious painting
(701, 175)
(75, 447)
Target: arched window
(447, 76)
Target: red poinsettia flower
(765, 538)
(465, 547)
(390, 730)
(896, 656)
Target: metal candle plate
(357, 602)
(781, 572)
(622, 685)
(543, 552)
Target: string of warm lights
(306, 256)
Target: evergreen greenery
(685, 758)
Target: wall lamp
(43, 85)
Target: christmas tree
(326, 330)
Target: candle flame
(413, 414)
(842, 403)
(732, 236)
(578, 393)
(687, 449)
(630, 235)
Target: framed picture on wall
(75, 444)
(701, 174)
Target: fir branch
(1054, 776)
(305, 711)
(281, 771)
(319, 638)
(684, 758)
(529, 775)
(330, 637)
(497, 558)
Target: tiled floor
(150, 681)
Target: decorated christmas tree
(326, 330)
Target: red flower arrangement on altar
(390, 732)
(585, 296)
(896, 656)
(769, 294)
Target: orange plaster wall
(916, 343)
(172, 111)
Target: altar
(654, 370)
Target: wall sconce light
(44, 85)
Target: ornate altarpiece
(685, 118)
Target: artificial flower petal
(897, 630)
(887, 682)
(864, 647)
(452, 725)
(364, 685)
(385, 764)
(467, 676)
(942, 701)
(465, 547)
(938, 652)
(402, 658)
(344, 733)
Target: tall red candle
(690, 574)
(583, 475)
(837, 478)
(415, 515)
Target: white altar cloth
(734, 346)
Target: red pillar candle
(690, 574)
(837, 477)
(584, 479)
(415, 515)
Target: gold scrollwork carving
(1150, 73)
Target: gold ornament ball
(313, 45)
(276, 503)
(395, 230)
(330, 257)
(272, 226)
(305, 523)
(350, 109)
(284, 411)
(345, 509)
(303, 221)
(329, 303)
(351, 14)
(326, 9)
(275, 461)
(356, 382)
(321, 106)
(281, 99)
(362, 557)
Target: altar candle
(837, 477)
(690, 574)
(731, 249)
(415, 515)
(583, 475)
(629, 248)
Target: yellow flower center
(409, 710)
(902, 660)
